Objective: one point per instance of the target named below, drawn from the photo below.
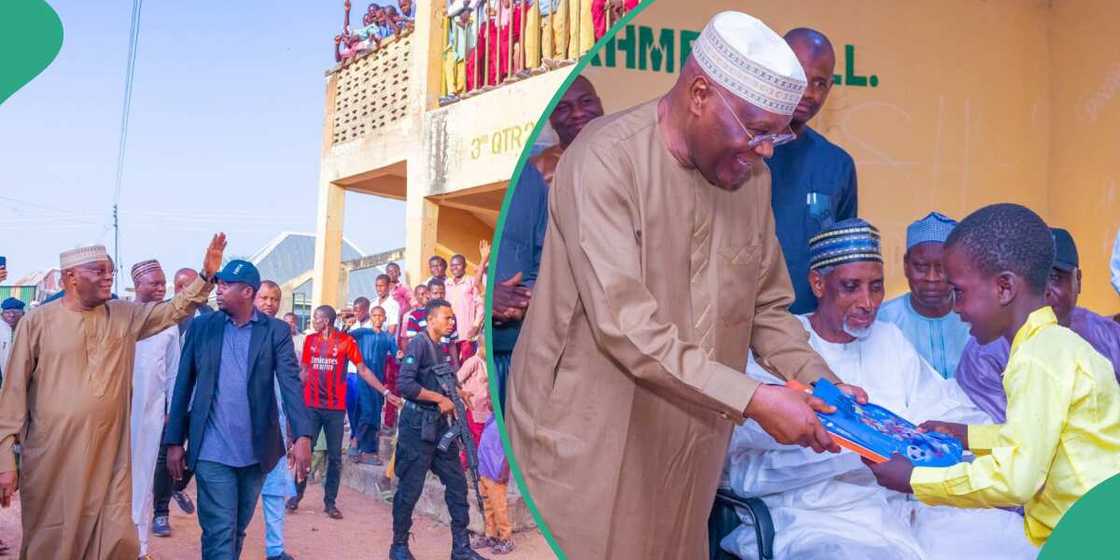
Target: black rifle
(459, 430)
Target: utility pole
(116, 249)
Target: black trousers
(332, 422)
(163, 486)
(414, 459)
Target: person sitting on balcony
(346, 47)
(408, 11)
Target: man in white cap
(925, 314)
(660, 269)
(66, 399)
(153, 381)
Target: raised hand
(212, 262)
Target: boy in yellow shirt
(1062, 434)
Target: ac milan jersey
(325, 358)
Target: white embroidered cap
(742, 54)
(82, 255)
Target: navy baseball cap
(240, 271)
(1065, 250)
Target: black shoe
(332, 512)
(466, 553)
(281, 556)
(184, 502)
(293, 504)
(400, 551)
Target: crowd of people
(235, 398)
(677, 261)
(379, 24)
(490, 42)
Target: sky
(225, 134)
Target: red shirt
(326, 359)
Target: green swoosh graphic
(30, 38)
(1087, 530)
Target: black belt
(420, 407)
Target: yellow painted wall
(1085, 153)
(959, 116)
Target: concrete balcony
(386, 135)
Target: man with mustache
(925, 314)
(813, 181)
(659, 269)
(66, 398)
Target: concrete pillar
(422, 219)
(328, 244)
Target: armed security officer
(422, 422)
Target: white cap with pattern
(742, 54)
(82, 255)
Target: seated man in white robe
(829, 506)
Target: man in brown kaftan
(66, 398)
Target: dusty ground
(365, 532)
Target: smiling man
(814, 180)
(925, 314)
(577, 107)
(70, 376)
(639, 372)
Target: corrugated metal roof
(292, 254)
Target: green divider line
(30, 38)
(514, 467)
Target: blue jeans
(227, 497)
(278, 487)
(352, 402)
(273, 524)
(369, 417)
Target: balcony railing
(371, 89)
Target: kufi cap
(143, 267)
(934, 228)
(742, 54)
(82, 255)
(852, 240)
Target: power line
(130, 71)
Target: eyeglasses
(756, 140)
(98, 271)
